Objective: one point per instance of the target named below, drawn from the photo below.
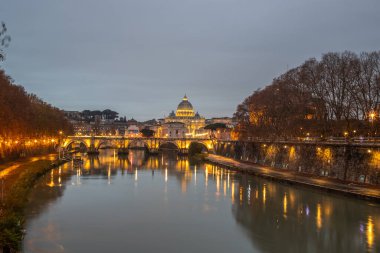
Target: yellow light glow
(271, 151)
(370, 232)
(233, 192)
(241, 195)
(292, 153)
(264, 194)
(374, 158)
(319, 217)
(324, 154)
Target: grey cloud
(140, 57)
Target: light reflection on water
(138, 203)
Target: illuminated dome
(185, 108)
(185, 104)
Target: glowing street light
(372, 115)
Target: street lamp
(59, 145)
(372, 116)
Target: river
(165, 203)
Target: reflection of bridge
(94, 143)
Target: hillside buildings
(184, 122)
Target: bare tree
(367, 92)
(330, 96)
(4, 40)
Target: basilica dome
(185, 108)
(185, 104)
(193, 123)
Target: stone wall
(344, 162)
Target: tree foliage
(106, 114)
(147, 132)
(215, 126)
(26, 115)
(327, 97)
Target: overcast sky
(139, 57)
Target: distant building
(192, 122)
(173, 130)
(133, 131)
(132, 122)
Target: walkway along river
(165, 204)
(364, 191)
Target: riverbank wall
(346, 162)
(362, 191)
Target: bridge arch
(110, 143)
(200, 145)
(169, 145)
(68, 143)
(138, 144)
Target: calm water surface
(165, 204)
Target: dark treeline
(338, 95)
(92, 115)
(106, 114)
(24, 115)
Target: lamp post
(59, 145)
(372, 116)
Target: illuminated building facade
(193, 122)
(174, 130)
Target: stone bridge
(94, 143)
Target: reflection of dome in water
(185, 108)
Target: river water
(167, 204)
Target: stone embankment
(364, 191)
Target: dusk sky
(140, 57)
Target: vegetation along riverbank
(14, 202)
